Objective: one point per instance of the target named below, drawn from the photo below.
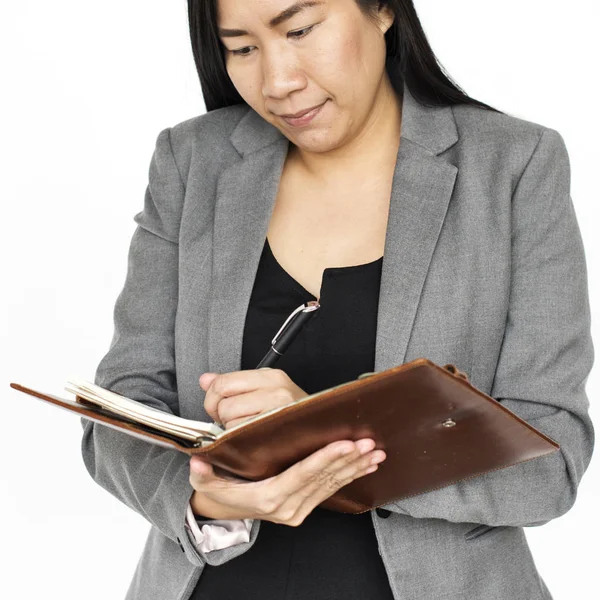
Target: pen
(288, 331)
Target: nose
(281, 72)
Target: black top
(330, 555)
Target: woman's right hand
(289, 497)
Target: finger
(240, 382)
(206, 379)
(303, 473)
(361, 467)
(201, 470)
(334, 475)
(204, 476)
(235, 422)
(335, 479)
(290, 488)
(242, 407)
(326, 478)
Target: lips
(301, 113)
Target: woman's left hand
(234, 397)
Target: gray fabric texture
(483, 267)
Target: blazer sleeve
(544, 362)
(140, 364)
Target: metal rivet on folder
(449, 423)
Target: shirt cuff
(216, 535)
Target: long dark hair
(409, 57)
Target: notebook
(434, 425)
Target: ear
(386, 16)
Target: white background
(86, 88)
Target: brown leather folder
(434, 425)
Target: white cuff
(216, 535)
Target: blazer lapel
(246, 193)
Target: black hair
(409, 57)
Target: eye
(240, 52)
(299, 33)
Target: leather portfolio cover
(434, 425)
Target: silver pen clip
(307, 307)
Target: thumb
(206, 380)
(202, 470)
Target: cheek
(235, 74)
(339, 65)
(246, 84)
(361, 52)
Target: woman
(427, 224)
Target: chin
(315, 141)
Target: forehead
(270, 12)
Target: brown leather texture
(434, 425)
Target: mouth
(304, 118)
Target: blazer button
(383, 513)
(180, 545)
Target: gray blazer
(483, 267)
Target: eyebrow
(283, 16)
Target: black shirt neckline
(326, 272)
